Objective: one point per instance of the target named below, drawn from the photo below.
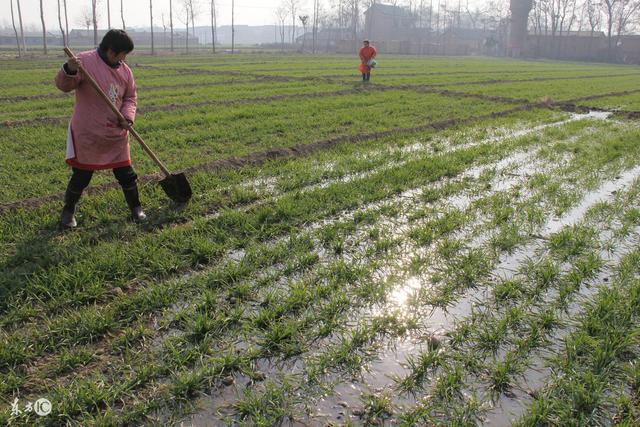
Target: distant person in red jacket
(367, 54)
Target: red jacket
(367, 53)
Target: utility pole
(233, 28)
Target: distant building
(471, 41)
(140, 38)
(384, 22)
(327, 38)
(30, 38)
(572, 45)
(629, 49)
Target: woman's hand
(124, 123)
(73, 64)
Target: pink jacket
(95, 140)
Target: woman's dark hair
(116, 40)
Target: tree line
(555, 18)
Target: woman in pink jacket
(96, 139)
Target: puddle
(442, 320)
(598, 115)
(269, 184)
(236, 255)
(511, 408)
(344, 403)
(603, 193)
(391, 361)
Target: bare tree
(193, 6)
(124, 27)
(15, 30)
(233, 26)
(94, 14)
(292, 6)
(153, 47)
(538, 11)
(552, 17)
(44, 29)
(190, 10)
(281, 18)
(627, 13)
(84, 19)
(213, 26)
(164, 32)
(24, 45)
(66, 19)
(609, 7)
(618, 15)
(185, 17)
(304, 19)
(316, 12)
(64, 35)
(171, 21)
(354, 6)
(594, 16)
(558, 11)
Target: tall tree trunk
(153, 48)
(108, 15)
(213, 26)
(609, 29)
(193, 23)
(124, 27)
(293, 25)
(64, 35)
(233, 27)
(24, 45)
(94, 6)
(171, 22)
(44, 29)
(15, 30)
(187, 32)
(315, 25)
(66, 20)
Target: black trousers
(80, 178)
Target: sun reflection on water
(400, 296)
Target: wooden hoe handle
(117, 112)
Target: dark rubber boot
(133, 201)
(67, 216)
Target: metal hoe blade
(177, 187)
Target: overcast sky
(248, 12)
